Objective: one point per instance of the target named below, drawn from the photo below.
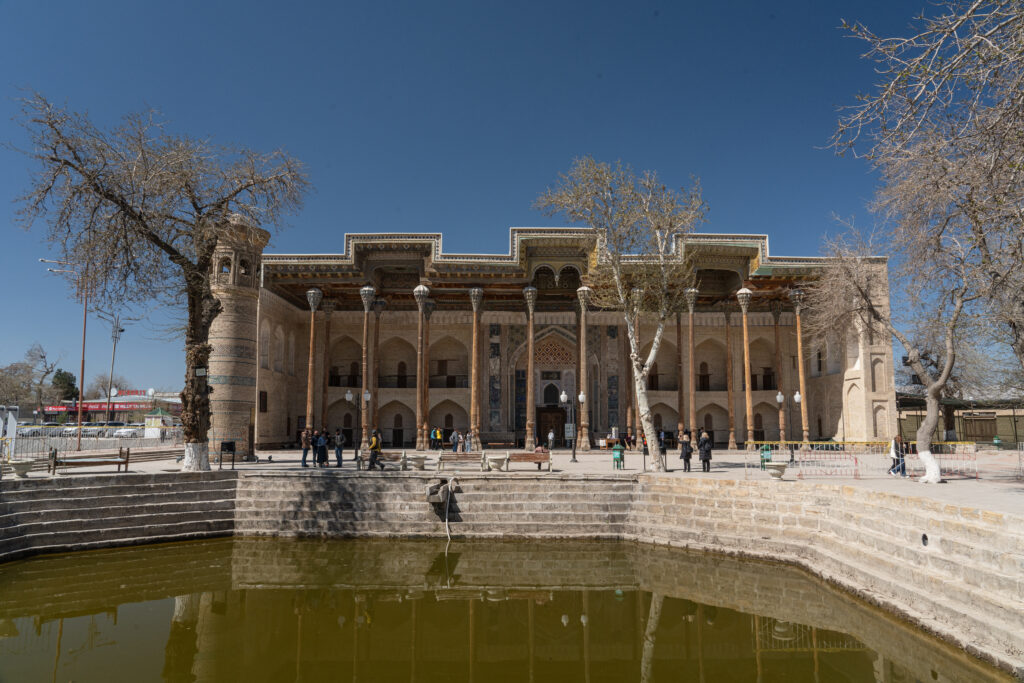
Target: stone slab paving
(998, 488)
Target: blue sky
(445, 117)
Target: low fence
(862, 459)
(38, 443)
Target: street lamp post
(83, 291)
(572, 417)
(115, 335)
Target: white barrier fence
(860, 459)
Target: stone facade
(849, 380)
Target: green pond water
(278, 610)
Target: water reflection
(286, 610)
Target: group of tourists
(320, 442)
(703, 449)
(459, 442)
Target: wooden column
(530, 294)
(691, 301)
(743, 296)
(476, 298)
(428, 310)
(780, 385)
(366, 294)
(798, 299)
(626, 388)
(420, 293)
(633, 396)
(730, 384)
(583, 441)
(328, 307)
(680, 387)
(378, 307)
(313, 296)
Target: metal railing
(396, 381)
(37, 444)
(862, 459)
(449, 381)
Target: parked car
(132, 431)
(30, 430)
(109, 428)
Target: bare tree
(943, 124)
(931, 276)
(26, 380)
(139, 211)
(98, 386)
(642, 267)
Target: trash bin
(618, 456)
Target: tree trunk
(925, 432)
(647, 656)
(647, 423)
(203, 307)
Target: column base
(732, 440)
(584, 441)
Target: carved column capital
(421, 293)
(367, 294)
(314, 296)
(797, 297)
(743, 296)
(691, 298)
(584, 293)
(530, 294)
(476, 298)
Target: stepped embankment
(954, 570)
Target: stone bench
(121, 459)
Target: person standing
(375, 448)
(551, 439)
(321, 449)
(704, 447)
(686, 450)
(339, 446)
(469, 440)
(454, 440)
(307, 441)
(462, 442)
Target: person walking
(704, 447)
(375, 451)
(339, 446)
(686, 450)
(898, 453)
(307, 441)
(454, 440)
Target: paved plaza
(997, 488)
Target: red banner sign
(114, 405)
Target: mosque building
(397, 334)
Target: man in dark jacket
(704, 447)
